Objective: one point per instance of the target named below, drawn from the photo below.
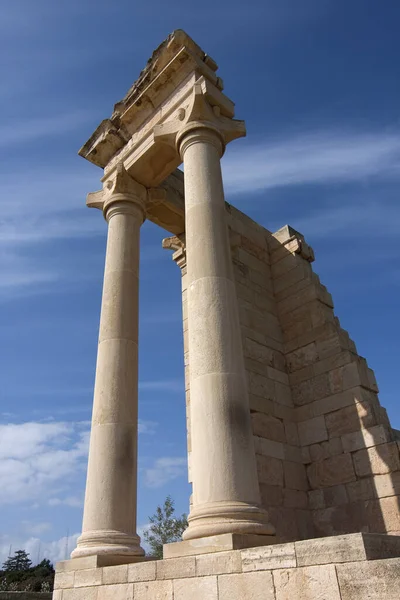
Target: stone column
(109, 522)
(226, 497)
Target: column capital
(120, 194)
(201, 120)
(176, 243)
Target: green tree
(164, 528)
(19, 562)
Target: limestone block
(332, 365)
(307, 583)
(119, 591)
(145, 571)
(75, 564)
(261, 386)
(292, 453)
(153, 590)
(267, 447)
(295, 498)
(268, 427)
(285, 522)
(198, 588)
(88, 577)
(258, 352)
(295, 476)
(246, 586)
(282, 395)
(117, 574)
(387, 485)
(219, 563)
(384, 514)
(312, 431)
(316, 499)
(335, 495)
(302, 272)
(57, 595)
(373, 580)
(305, 524)
(64, 580)
(88, 593)
(377, 460)
(326, 449)
(350, 418)
(271, 495)
(362, 489)
(365, 438)
(215, 543)
(270, 470)
(302, 357)
(332, 471)
(311, 390)
(291, 432)
(305, 455)
(176, 568)
(277, 556)
(260, 404)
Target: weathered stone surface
(375, 580)
(277, 556)
(295, 498)
(377, 460)
(271, 495)
(387, 485)
(219, 563)
(324, 450)
(196, 589)
(88, 593)
(312, 431)
(176, 568)
(268, 447)
(307, 583)
(295, 476)
(153, 590)
(145, 571)
(316, 499)
(335, 495)
(88, 577)
(365, 438)
(64, 580)
(117, 574)
(270, 470)
(246, 586)
(332, 471)
(120, 591)
(350, 418)
(215, 543)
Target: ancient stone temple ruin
(294, 465)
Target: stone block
(292, 434)
(64, 580)
(285, 522)
(88, 593)
(365, 438)
(312, 431)
(198, 588)
(376, 580)
(277, 556)
(119, 591)
(219, 563)
(292, 453)
(259, 352)
(153, 590)
(271, 495)
(145, 571)
(311, 390)
(362, 489)
(377, 460)
(75, 564)
(307, 583)
(294, 498)
(332, 471)
(246, 586)
(267, 447)
(350, 418)
(387, 485)
(215, 543)
(295, 476)
(335, 495)
(282, 394)
(305, 524)
(176, 568)
(270, 470)
(383, 514)
(57, 595)
(326, 449)
(316, 499)
(88, 577)
(117, 574)
(268, 427)
(261, 386)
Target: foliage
(19, 575)
(164, 528)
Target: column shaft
(226, 494)
(109, 522)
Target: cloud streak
(318, 157)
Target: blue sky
(317, 84)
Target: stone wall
(26, 595)
(353, 567)
(328, 460)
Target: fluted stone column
(109, 522)
(226, 497)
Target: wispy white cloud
(312, 158)
(164, 470)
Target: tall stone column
(109, 522)
(226, 497)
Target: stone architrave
(109, 522)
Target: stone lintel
(216, 543)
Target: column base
(114, 546)
(216, 543)
(216, 518)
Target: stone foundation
(349, 567)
